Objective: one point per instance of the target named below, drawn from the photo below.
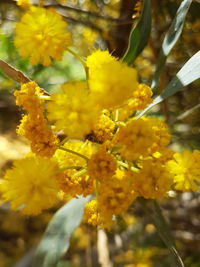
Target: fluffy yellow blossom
(29, 97)
(111, 81)
(24, 3)
(34, 126)
(95, 217)
(103, 128)
(75, 181)
(141, 137)
(91, 213)
(163, 155)
(136, 138)
(102, 165)
(98, 58)
(185, 168)
(72, 110)
(116, 194)
(141, 97)
(41, 35)
(153, 180)
(31, 185)
(43, 140)
(161, 131)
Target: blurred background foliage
(106, 24)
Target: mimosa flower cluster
(107, 152)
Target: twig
(86, 12)
(117, 21)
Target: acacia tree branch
(83, 11)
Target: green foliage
(139, 35)
(170, 39)
(188, 74)
(56, 238)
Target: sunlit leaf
(139, 35)
(170, 39)
(55, 241)
(189, 73)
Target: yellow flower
(111, 81)
(116, 194)
(99, 58)
(163, 155)
(43, 141)
(34, 126)
(161, 132)
(41, 35)
(185, 167)
(72, 110)
(103, 128)
(102, 165)
(153, 180)
(29, 97)
(94, 216)
(141, 97)
(24, 3)
(136, 138)
(91, 212)
(141, 137)
(75, 181)
(31, 185)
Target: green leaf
(56, 238)
(164, 232)
(170, 39)
(139, 35)
(189, 73)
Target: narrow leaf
(139, 35)
(13, 73)
(189, 73)
(164, 232)
(170, 39)
(55, 242)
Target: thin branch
(83, 11)
(118, 21)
